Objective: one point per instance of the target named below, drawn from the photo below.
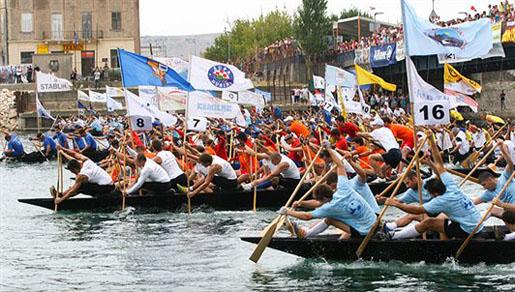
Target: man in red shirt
(341, 142)
(346, 128)
(295, 152)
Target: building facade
(91, 30)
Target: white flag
(318, 82)
(97, 96)
(431, 106)
(81, 95)
(113, 105)
(229, 96)
(138, 107)
(149, 95)
(114, 91)
(339, 77)
(201, 104)
(209, 75)
(41, 111)
(50, 83)
(251, 98)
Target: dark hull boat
(490, 251)
(235, 200)
(476, 173)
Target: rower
(345, 209)
(14, 146)
(462, 148)
(91, 144)
(49, 145)
(90, 179)
(152, 177)
(392, 156)
(60, 137)
(167, 160)
(403, 133)
(508, 216)
(216, 171)
(448, 198)
(280, 166)
(493, 185)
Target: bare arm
(408, 208)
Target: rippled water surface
(133, 251)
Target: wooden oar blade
(263, 243)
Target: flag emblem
(447, 37)
(220, 76)
(159, 70)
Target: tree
(247, 37)
(310, 27)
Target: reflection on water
(133, 251)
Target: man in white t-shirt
(152, 177)
(90, 179)
(386, 140)
(216, 170)
(462, 148)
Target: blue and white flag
(339, 77)
(139, 70)
(137, 106)
(210, 75)
(41, 111)
(466, 40)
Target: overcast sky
(175, 17)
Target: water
(133, 251)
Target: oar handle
(477, 165)
(501, 193)
(292, 197)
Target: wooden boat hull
(230, 201)
(488, 251)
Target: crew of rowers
(227, 158)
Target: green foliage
(350, 12)
(247, 37)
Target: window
(57, 26)
(87, 31)
(26, 57)
(116, 21)
(114, 58)
(26, 22)
(2, 23)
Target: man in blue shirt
(493, 185)
(60, 137)
(346, 209)
(14, 146)
(91, 144)
(49, 145)
(448, 198)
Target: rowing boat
(232, 200)
(479, 250)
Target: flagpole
(38, 118)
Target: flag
(471, 39)
(266, 95)
(138, 70)
(97, 97)
(210, 75)
(138, 107)
(248, 97)
(41, 111)
(457, 99)
(340, 77)
(80, 105)
(113, 105)
(318, 82)
(81, 95)
(431, 106)
(201, 104)
(177, 64)
(453, 80)
(114, 91)
(364, 77)
(229, 96)
(148, 95)
(50, 83)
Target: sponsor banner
(201, 104)
(382, 56)
(50, 83)
(509, 32)
(362, 56)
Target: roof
(349, 26)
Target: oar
(478, 165)
(39, 150)
(59, 178)
(501, 193)
(254, 201)
(457, 173)
(265, 240)
(372, 230)
(475, 155)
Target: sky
(178, 17)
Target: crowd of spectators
(16, 74)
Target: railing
(73, 36)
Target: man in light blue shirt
(448, 198)
(346, 209)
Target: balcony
(71, 36)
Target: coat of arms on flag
(220, 76)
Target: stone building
(91, 30)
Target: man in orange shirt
(403, 133)
(297, 127)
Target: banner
(339, 77)
(137, 106)
(471, 39)
(49, 83)
(114, 91)
(362, 56)
(81, 95)
(431, 106)
(266, 95)
(382, 56)
(41, 111)
(138, 70)
(210, 75)
(364, 77)
(509, 32)
(171, 99)
(496, 51)
(198, 124)
(97, 97)
(251, 98)
(230, 96)
(201, 104)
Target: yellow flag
(364, 77)
(454, 80)
(339, 93)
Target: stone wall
(8, 114)
(493, 83)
